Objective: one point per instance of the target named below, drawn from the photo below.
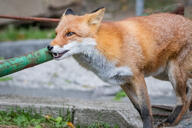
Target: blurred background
(115, 10)
(66, 78)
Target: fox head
(75, 34)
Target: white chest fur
(93, 60)
(89, 57)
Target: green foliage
(156, 4)
(99, 125)
(120, 95)
(29, 118)
(12, 33)
(2, 79)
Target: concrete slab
(86, 112)
(83, 112)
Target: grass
(121, 94)
(11, 33)
(3, 79)
(100, 125)
(28, 118)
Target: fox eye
(69, 34)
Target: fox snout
(57, 52)
(49, 47)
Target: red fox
(124, 52)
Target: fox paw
(162, 124)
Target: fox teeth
(55, 54)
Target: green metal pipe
(18, 63)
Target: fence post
(188, 8)
(139, 6)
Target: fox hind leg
(178, 78)
(189, 92)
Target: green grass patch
(100, 125)
(3, 79)
(11, 33)
(29, 118)
(121, 94)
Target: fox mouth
(58, 55)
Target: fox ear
(96, 16)
(68, 11)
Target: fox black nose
(49, 47)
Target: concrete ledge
(83, 112)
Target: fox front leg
(137, 93)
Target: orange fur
(107, 38)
